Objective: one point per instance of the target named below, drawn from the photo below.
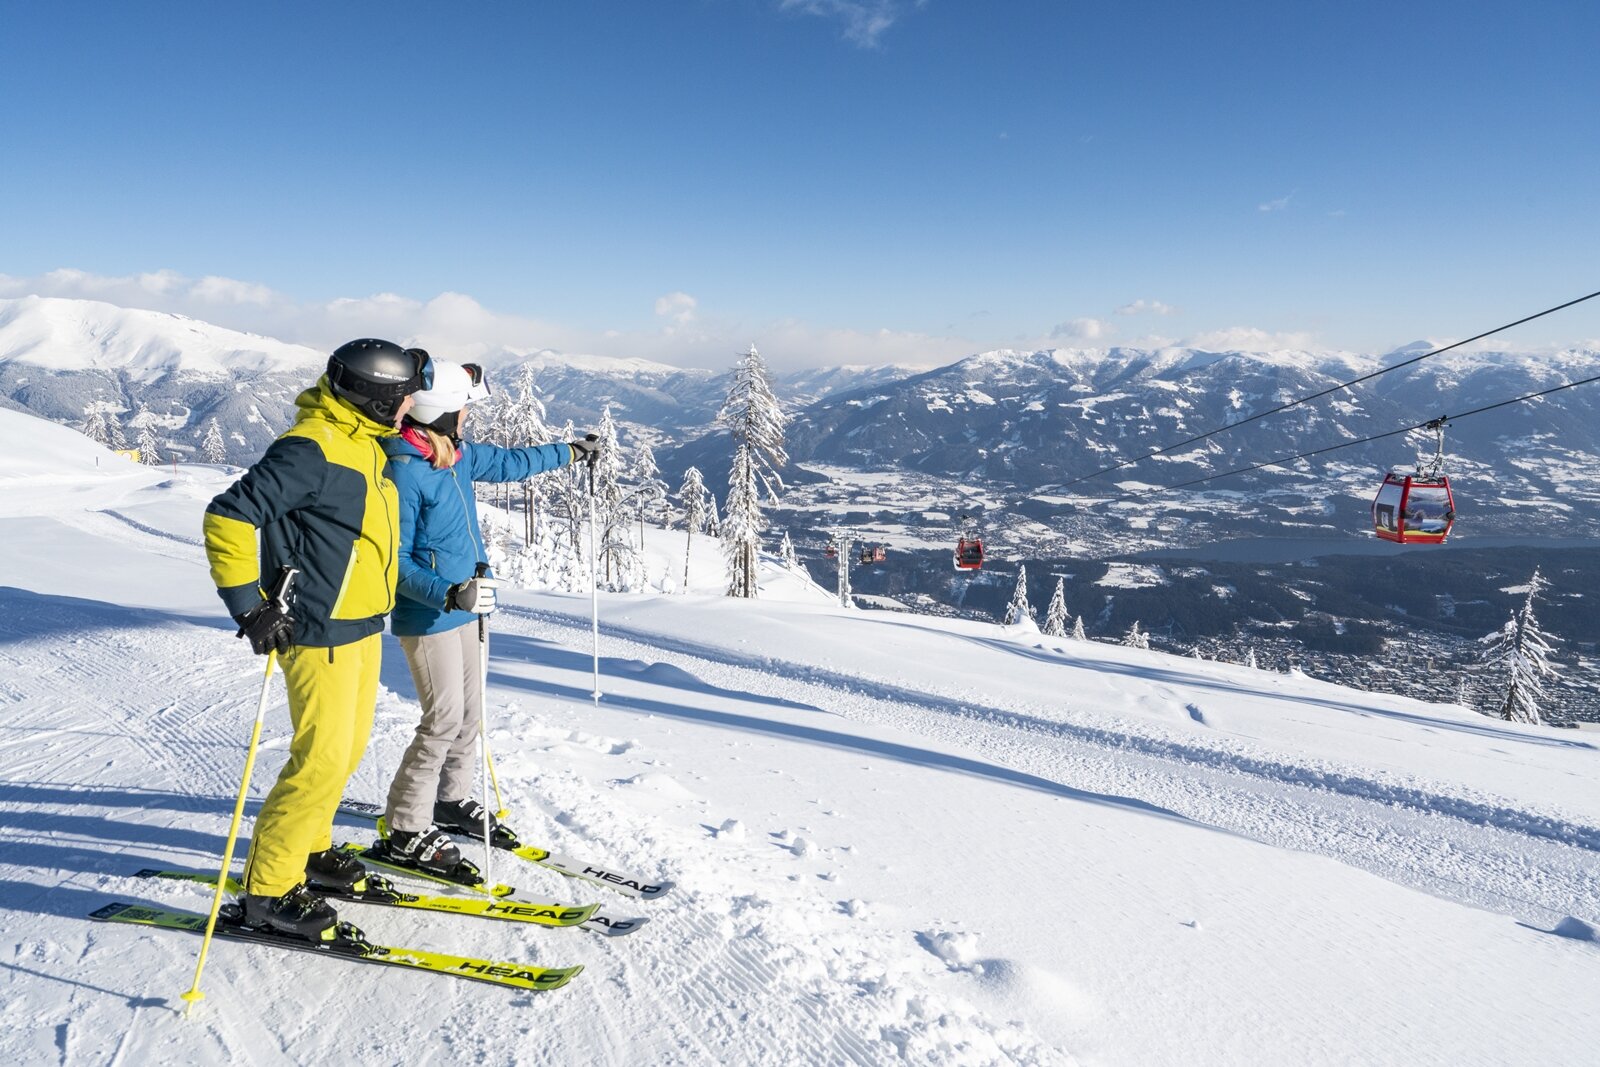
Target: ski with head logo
(349, 943)
(602, 874)
(375, 889)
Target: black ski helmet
(375, 376)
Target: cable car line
(1283, 460)
(1325, 392)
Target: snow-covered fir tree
(755, 421)
(1250, 660)
(742, 525)
(647, 493)
(1019, 610)
(115, 437)
(625, 569)
(213, 448)
(513, 418)
(1135, 637)
(94, 426)
(1077, 630)
(692, 494)
(148, 441)
(608, 497)
(713, 520)
(1520, 654)
(786, 551)
(565, 497)
(1055, 619)
(753, 417)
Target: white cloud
(457, 326)
(1249, 339)
(1275, 205)
(677, 308)
(228, 291)
(865, 21)
(1147, 307)
(1080, 330)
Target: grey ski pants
(440, 761)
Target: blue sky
(837, 181)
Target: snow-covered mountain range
(58, 357)
(1023, 424)
(1033, 421)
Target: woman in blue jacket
(441, 593)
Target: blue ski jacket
(440, 545)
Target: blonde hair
(444, 450)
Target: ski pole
(482, 571)
(280, 595)
(594, 578)
(494, 780)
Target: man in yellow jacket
(320, 502)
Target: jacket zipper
(377, 485)
(466, 518)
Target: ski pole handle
(279, 593)
(591, 460)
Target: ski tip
(613, 925)
(660, 889)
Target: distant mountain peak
(62, 334)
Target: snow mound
(48, 465)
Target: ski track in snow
(1471, 849)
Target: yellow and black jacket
(323, 504)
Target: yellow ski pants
(332, 693)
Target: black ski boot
(465, 818)
(335, 869)
(427, 850)
(465, 814)
(298, 913)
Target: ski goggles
(480, 382)
(423, 379)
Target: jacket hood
(320, 402)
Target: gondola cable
(1326, 392)
(1284, 460)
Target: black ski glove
(268, 627)
(586, 450)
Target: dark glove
(475, 595)
(268, 627)
(586, 450)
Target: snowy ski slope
(894, 838)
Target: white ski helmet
(454, 386)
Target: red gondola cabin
(1414, 510)
(969, 554)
